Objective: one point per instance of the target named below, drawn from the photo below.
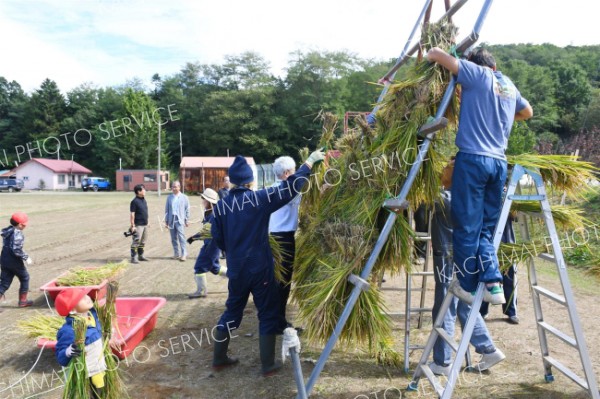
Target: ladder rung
(516, 197)
(547, 256)
(567, 339)
(420, 310)
(555, 297)
(394, 314)
(440, 331)
(432, 379)
(421, 273)
(567, 371)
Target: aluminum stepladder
(398, 204)
(589, 382)
(424, 274)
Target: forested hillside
(241, 107)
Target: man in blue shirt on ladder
(490, 103)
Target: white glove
(72, 351)
(316, 156)
(290, 341)
(29, 260)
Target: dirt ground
(85, 229)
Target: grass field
(85, 229)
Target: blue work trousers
(477, 184)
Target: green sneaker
(494, 295)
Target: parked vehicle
(11, 185)
(95, 184)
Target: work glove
(190, 240)
(73, 351)
(290, 341)
(315, 157)
(29, 261)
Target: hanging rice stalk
(341, 215)
(77, 384)
(81, 276)
(509, 253)
(41, 326)
(560, 172)
(566, 217)
(114, 385)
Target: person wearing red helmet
(13, 259)
(72, 303)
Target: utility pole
(158, 182)
(180, 148)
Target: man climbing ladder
(490, 103)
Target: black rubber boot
(134, 256)
(141, 256)
(220, 358)
(267, 355)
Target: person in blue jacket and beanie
(241, 228)
(208, 258)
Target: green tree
(45, 112)
(13, 108)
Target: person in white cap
(208, 258)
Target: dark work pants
(287, 241)
(8, 273)
(264, 290)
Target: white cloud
(109, 41)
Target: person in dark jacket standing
(139, 223)
(208, 258)
(241, 228)
(14, 258)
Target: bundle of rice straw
(77, 384)
(81, 276)
(114, 385)
(41, 326)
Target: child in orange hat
(76, 302)
(14, 259)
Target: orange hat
(66, 300)
(20, 217)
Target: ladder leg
(407, 316)
(426, 268)
(463, 347)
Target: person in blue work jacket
(208, 258)
(490, 103)
(241, 228)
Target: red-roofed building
(56, 174)
(198, 173)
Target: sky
(108, 42)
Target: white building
(51, 174)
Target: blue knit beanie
(240, 172)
